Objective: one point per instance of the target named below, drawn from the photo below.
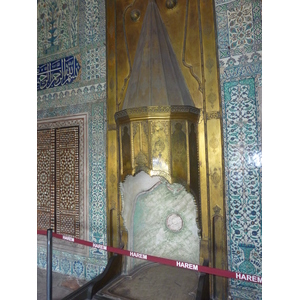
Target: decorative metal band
(157, 111)
(127, 48)
(213, 115)
(189, 66)
(111, 127)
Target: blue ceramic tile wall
(79, 35)
(239, 50)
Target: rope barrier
(164, 261)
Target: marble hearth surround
(160, 219)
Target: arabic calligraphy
(57, 73)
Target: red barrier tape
(164, 261)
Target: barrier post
(49, 264)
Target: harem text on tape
(164, 261)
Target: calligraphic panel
(67, 179)
(45, 179)
(58, 72)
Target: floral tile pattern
(92, 270)
(94, 30)
(86, 94)
(239, 47)
(56, 26)
(95, 64)
(239, 27)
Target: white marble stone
(131, 188)
(160, 219)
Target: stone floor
(148, 282)
(62, 285)
(152, 282)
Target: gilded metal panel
(193, 166)
(160, 147)
(191, 29)
(182, 23)
(141, 145)
(126, 151)
(113, 205)
(159, 143)
(205, 229)
(218, 247)
(112, 175)
(214, 152)
(179, 150)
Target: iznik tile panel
(94, 64)
(72, 80)
(239, 27)
(57, 26)
(94, 29)
(239, 46)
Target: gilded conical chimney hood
(156, 78)
(158, 122)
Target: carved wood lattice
(45, 179)
(58, 180)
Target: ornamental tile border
(69, 264)
(238, 66)
(221, 2)
(72, 97)
(74, 88)
(244, 294)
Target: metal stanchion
(49, 264)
